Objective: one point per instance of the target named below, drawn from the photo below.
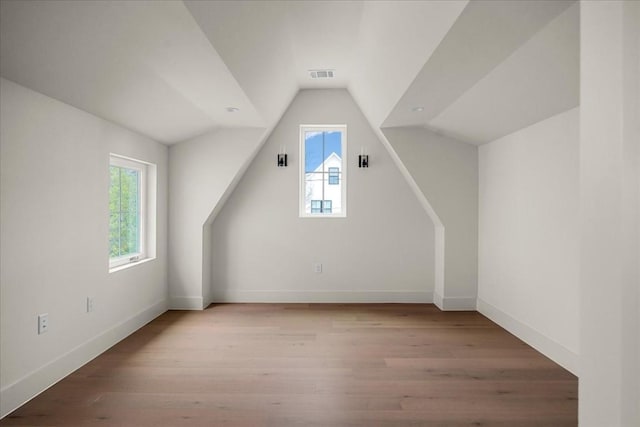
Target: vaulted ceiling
(171, 69)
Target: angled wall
(445, 172)
(203, 172)
(382, 251)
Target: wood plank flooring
(286, 365)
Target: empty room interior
(320, 213)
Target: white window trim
(130, 260)
(343, 170)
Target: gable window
(323, 170)
(127, 211)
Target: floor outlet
(43, 323)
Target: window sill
(129, 265)
(322, 216)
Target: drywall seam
(29, 386)
(550, 348)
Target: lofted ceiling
(502, 66)
(171, 69)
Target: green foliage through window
(124, 210)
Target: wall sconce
(363, 159)
(282, 158)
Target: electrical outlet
(43, 323)
(89, 304)
(317, 267)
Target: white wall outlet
(317, 267)
(43, 323)
(89, 304)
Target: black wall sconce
(363, 159)
(282, 158)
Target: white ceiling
(502, 66)
(538, 80)
(169, 69)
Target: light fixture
(363, 159)
(282, 157)
(232, 109)
(417, 109)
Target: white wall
(446, 173)
(203, 172)
(610, 214)
(529, 235)
(54, 248)
(382, 250)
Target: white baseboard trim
(438, 301)
(296, 296)
(550, 348)
(454, 303)
(186, 303)
(26, 388)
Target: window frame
(142, 167)
(342, 173)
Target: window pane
(322, 150)
(333, 184)
(114, 235)
(124, 208)
(114, 189)
(313, 151)
(313, 189)
(333, 143)
(129, 182)
(129, 232)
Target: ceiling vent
(321, 74)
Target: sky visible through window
(316, 151)
(323, 171)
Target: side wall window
(128, 210)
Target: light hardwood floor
(312, 365)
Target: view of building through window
(324, 175)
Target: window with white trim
(323, 191)
(128, 210)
